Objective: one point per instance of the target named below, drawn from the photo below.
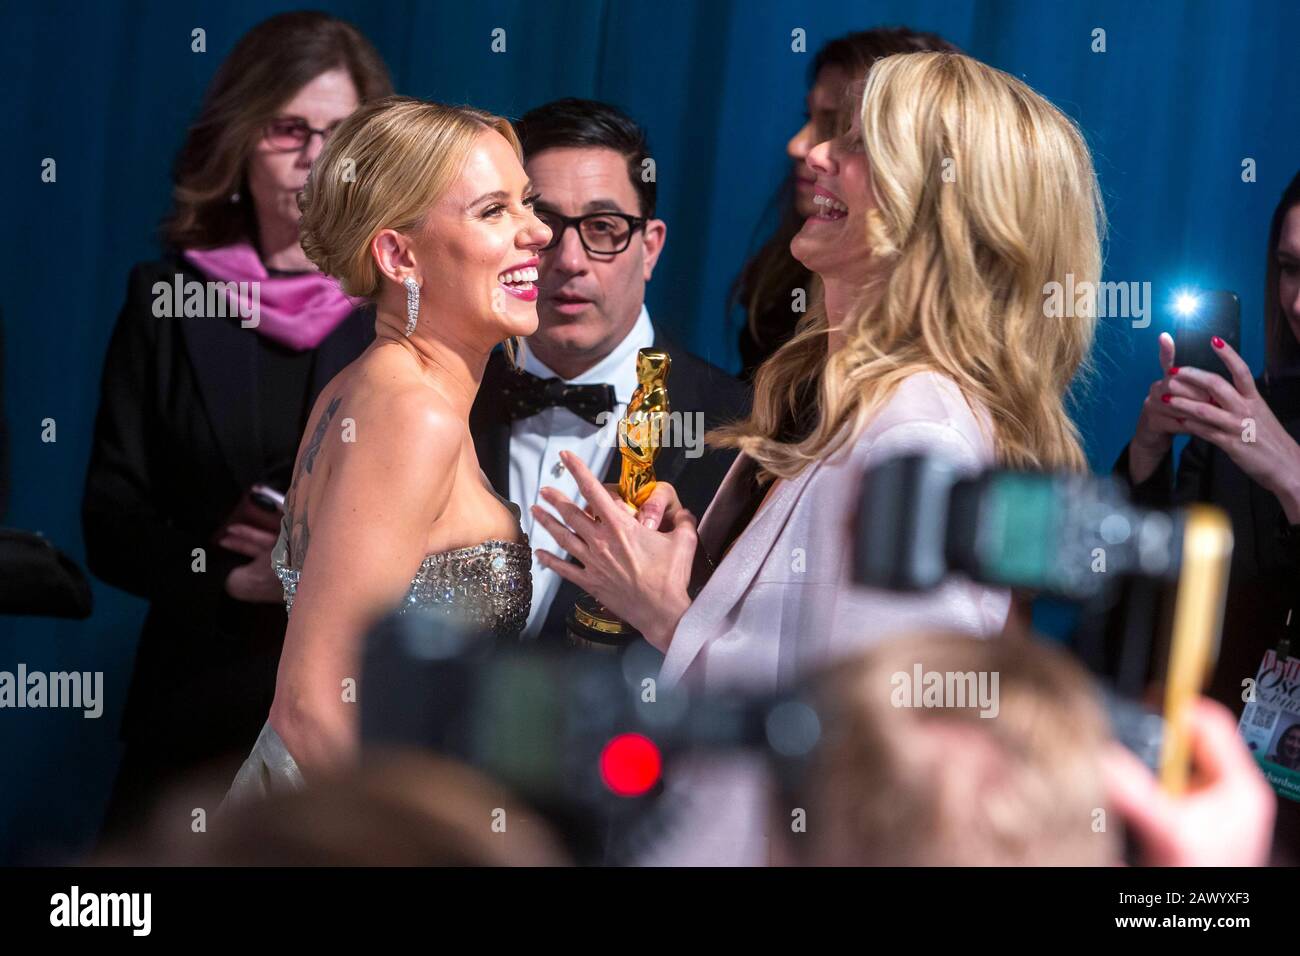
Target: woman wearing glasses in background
(204, 399)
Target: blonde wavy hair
(384, 167)
(985, 194)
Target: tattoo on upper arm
(299, 533)
(299, 537)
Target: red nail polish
(1166, 398)
(1217, 342)
(1173, 370)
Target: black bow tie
(526, 395)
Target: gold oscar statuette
(590, 624)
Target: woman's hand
(660, 509)
(1159, 422)
(254, 582)
(639, 574)
(1233, 417)
(1225, 819)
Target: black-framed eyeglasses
(601, 233)
(287, 134)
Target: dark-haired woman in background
(1255, 479)
(196, 409)
(768, 280)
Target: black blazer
(693, 385)
(1264, 581)
(1265, 577)
(176, 444)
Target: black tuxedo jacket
(693, 386)
(176, 443)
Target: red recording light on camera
(630, 765)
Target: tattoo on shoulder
(318, 436)
(299, 533)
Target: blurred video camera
(1071, 536)
(1150, 584)
(585, 739)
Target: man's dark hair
(575, 123)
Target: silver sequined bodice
(490, 584)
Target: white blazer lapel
(735, 573)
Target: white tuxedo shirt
(536, 443)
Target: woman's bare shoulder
(390, 401)
(400, 442)
(391, 445)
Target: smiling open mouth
(520, 282)
(829, 209)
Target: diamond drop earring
(412, 304)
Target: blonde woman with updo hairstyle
(204, 401)
(957, 194)
(426, 211)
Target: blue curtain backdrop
(1182, 95)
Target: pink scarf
(296, 311)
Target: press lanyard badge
(1270, 723)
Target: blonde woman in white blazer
(956, 197)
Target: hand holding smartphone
(1201, 317)
(261, 507)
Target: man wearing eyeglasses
(589, 164)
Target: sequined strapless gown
(490, 585)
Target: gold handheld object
(640, 434)
(640, 430)
(1198, 620)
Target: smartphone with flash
(1198, 318)
(267, 498)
